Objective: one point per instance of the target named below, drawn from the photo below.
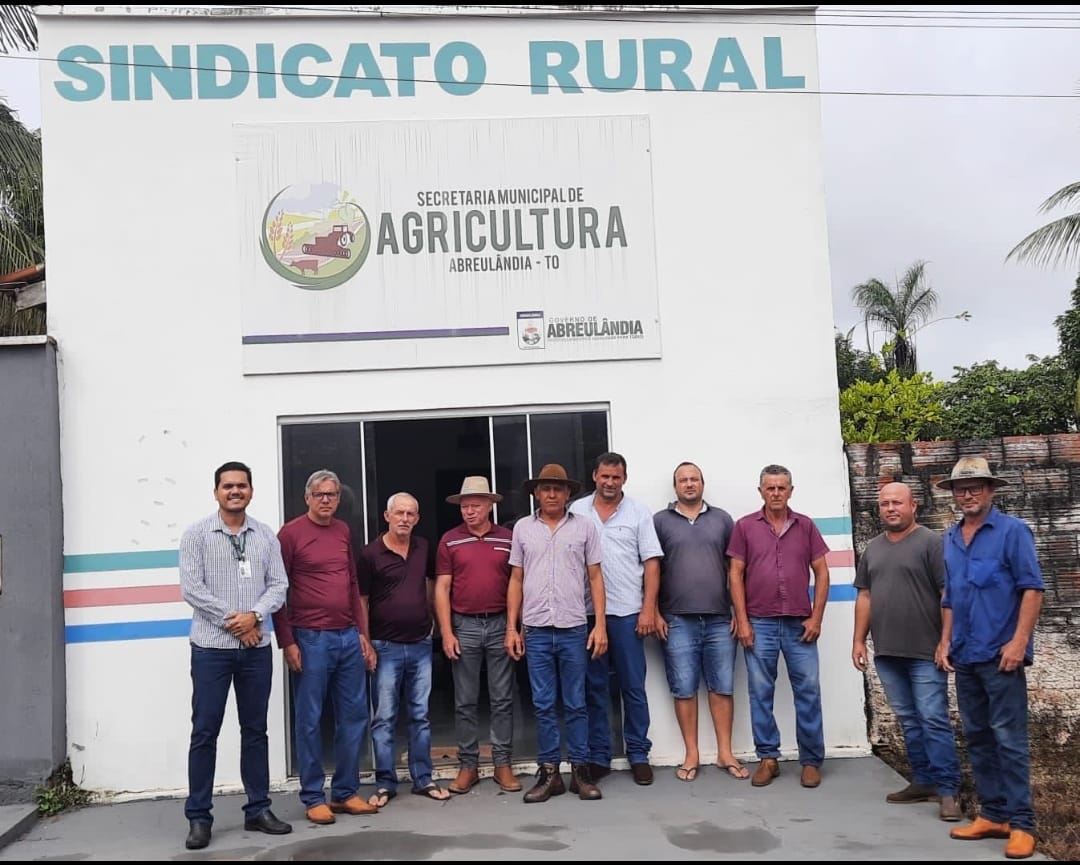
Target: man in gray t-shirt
(695, 617)
(903, 570)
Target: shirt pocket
(983, 573)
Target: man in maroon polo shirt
(773, 552)
(472, 568)
(321, 632)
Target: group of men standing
(576, 587)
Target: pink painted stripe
(841, 558)
(122, 596)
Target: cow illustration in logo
(316, 235)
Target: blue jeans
(557, 659)
(249, 672)
(626, 652)
(994, 708)
(774, 635)
(404, 669)
(918, 692)
(697, 647)
(332, 662)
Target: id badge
(245, 569)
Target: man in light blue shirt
(630, 560)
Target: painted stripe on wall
(122, 596)
(123, 631)
(134, 561)
(840, 558)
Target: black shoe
(598, 771)
(268, 823)
(198, 835)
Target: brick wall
(1044, 489)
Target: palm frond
(18, 29)
(1057, 242)
(1064, 197)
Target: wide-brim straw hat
(552, 473)
(474, 485)
(972, 469)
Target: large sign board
(389, 245)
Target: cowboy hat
(474, 485)
(971, 469)
(552, 473)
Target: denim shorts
(699, 647)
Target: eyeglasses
(324, 495)
(961, 492)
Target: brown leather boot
(767, 769)
(548, 783)
(506, 779)
(467, 778)
(581, 782)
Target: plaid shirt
(210, 578)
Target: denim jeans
(557, 659)
(404, 669)
(626, 653)
(481, 638)
(213, 671)
(994, 708)
(333, 663)
(918, 692)
(774, 635)
(697, 647)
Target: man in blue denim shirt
(993, 594)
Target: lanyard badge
(239, 545)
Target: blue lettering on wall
(307, 70)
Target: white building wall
(145, 306)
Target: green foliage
(60, 792)
(1068, 328)
(986, 400)
(900, 310)
(893, 409)
(1057, 242)
(853, 364)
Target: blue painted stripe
(834, 525)
(842, 592)
(143, 560)
(109, 632)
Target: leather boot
(506, 779)
(548, 783)
(581, 782)
(467, 778)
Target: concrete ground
(715, 817)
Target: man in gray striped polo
(232, 575)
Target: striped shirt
(627, 540)
(553, 563)
(211, 580)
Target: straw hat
(552, 473)
(971, 469)
(475, 485)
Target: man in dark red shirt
(321, 630)
(394, 578)
(472, 570)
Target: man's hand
(744, 633)
(1012, 656)
(450, 646)
(941, 657)
(646, 623)
(250, 639)
(371, 657)
(661, 627)
(597, 640)
(515, 645)
(238, 623)
(292, 658)
(811, 630)
(858, 655)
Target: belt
(483, 615)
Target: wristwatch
(258, 617)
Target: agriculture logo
(315, 235)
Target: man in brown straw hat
(472, 568)
(551, 554)
(993, 595)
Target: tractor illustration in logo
(316, 236)
(333, 245)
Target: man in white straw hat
(993, 595)
(472, 570)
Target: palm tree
(1057, 242)
(22, 230)
(901, 311)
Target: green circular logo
(315, 235)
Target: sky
(954, 179)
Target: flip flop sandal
(686, 773)
(429, 790)
(735, 771)
(382, 797)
